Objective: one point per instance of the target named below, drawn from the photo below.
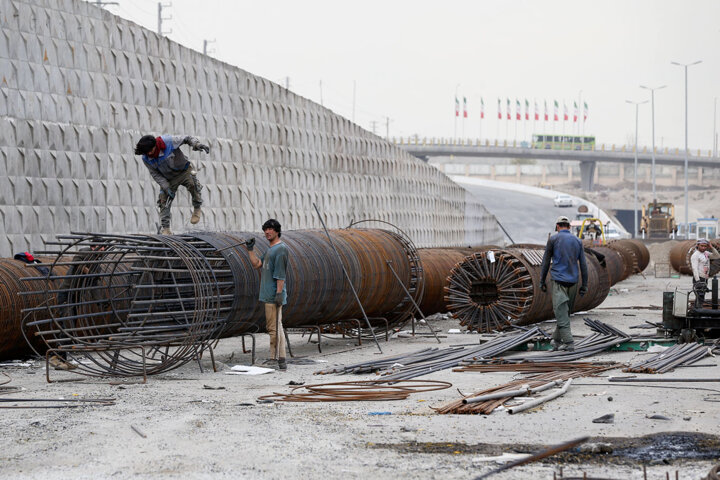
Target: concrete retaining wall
(79, 86)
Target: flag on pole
(537, 113)
(585, 113)
(457, 107)
(464, 107)
(509, 116)
(556, 116)
(518, 113)
(499, 109)
(482, 108)
(546, 111)
(565, 112)
(527, 109)
(575, 112)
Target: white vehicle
(563, 200)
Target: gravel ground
(194, 432)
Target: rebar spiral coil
(497, 289)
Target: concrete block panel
(88, 94)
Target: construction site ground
(210, 425)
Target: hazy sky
(407, 58)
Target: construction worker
(700, 263)
(170, 168)
(272, 288)
(564, 252)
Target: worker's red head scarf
(160, 147)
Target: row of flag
(519, 114)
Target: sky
(396, 66)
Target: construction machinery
(658, 220)
(685, 317)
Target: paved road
(527, 218)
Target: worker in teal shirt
(272, 287)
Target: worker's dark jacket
(565, 250)
(172, 161)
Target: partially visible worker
(170, 168)
(272, 287)
(700, 263)
(563, 253)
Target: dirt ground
(191, 431)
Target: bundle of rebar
(496, 289)
(416, 364)
(675, 356)
(144, 304)
(526, 367)
(492, 398)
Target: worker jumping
(170, 168)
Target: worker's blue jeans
(563, 299)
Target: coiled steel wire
(496, 289)
(356, 391)
(437, 264)
(714, 473)
(144, 304)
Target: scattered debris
(136, 430)
(599, 447)
(208, 387)
(608, 418)
(657, 417)
(248, 370)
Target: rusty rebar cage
(144, 304)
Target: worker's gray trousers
(563, 299)
(187, 180)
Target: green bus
(563, 142)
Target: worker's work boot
(567, 347)
(166, 231)
(196, 215)
(282, 364)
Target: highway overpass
(588, 159)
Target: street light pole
(687, 215)
(652, 96)
(635, 202)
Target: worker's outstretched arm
(714, 254)
(254, 260)
(189, 140)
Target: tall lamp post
(652, 96)
(687, 215)
(635, 202)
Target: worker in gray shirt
(565, 251)
(170, 168)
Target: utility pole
(387, 128)
(205, 45)
(354, 88)
(374, 127)
(287, 83)
(635, 202)
(652, 96)
(161, 18)
(687, 208)
(321, 98)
